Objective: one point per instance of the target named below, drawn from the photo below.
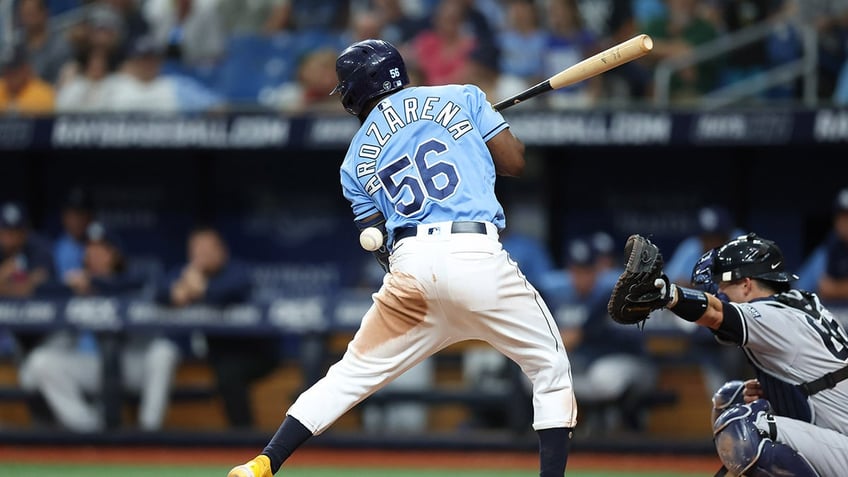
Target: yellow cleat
(259, 466)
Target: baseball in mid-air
(371, 239)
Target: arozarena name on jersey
(413, 111)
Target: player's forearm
(714, 315)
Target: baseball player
(422, 169)
(793, 419)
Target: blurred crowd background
(214, 55)
(213, 229)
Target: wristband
(691, 304)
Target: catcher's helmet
(752, 257)
(367, 70)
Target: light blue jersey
(421, 157)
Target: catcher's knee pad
(729, 394)
(744, 438)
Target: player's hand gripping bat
(617, 55)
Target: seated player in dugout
(791, 419)
(211, 276)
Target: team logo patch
(387, 85)
(750, 310)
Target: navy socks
(288, 437)
(553, 451)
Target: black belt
(463, 227)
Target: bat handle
(526, 94)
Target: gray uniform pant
(826, 450)
(66, 375)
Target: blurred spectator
(815, 264)
(484, 71)
(812, 269)
(363, 24)
(398, 27)
(46, 48)
(98, 52)
(104, 268)
(833, 282)
(675, 35)
(646, 10)
(522, 43)
(524, 240)
(568, 43)
(829, 18)
(132, 21)
(611, 22)
(316, 77)
(840, 93)
(69, 253)
(26, 261)
(88, 90)
(736, 15)
(26, 266)
(443, 50)
(191, 31)
(256, 16)
(141, 86)
(608, 254)
(69, 248)
(61, 6)
(320, 16)
(479, 24)
(68, 370)
(715, 226)
(21, 90)
(611, 365)
(212, 277)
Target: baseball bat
(626, 51)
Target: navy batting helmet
(750, 256)
(367, 70)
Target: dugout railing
(321, 331)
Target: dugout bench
(323, 327)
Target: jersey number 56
(420, 180)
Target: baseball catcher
(791, 419)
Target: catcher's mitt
(636, 293)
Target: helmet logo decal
(387, 85)
(775, 265)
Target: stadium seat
(316, 39)
(254, 62)
(207, 75)
(57, 7)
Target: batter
(422, 169)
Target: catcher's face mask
(702, 272)
(702, 275)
